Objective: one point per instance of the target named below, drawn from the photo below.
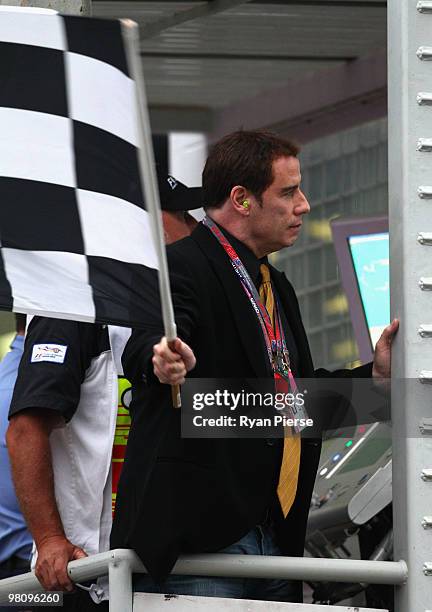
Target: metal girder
(180, 119)
(410, 220)
(120, 562)
(323, 102)
(203, 10)
(246, 56)
(328, 3)
(342, 3)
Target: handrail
(121, 562)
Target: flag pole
(130, 32)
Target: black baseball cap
(175, 196)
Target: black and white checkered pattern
(75, 239)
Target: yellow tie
(289, 471)
(266, 292)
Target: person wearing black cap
(176, 201)
(63, 416)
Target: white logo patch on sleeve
(55, 353)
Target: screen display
(370, 256)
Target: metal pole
(147, 167)
(293, 568)
(121, 562)
(120, 585)
(410, 211)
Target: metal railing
(119, 564)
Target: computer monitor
(362, 250)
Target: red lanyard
(274, 338)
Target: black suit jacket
(200, 495)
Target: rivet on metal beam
(426, 426)
(425, 192)
(425, 331)
(425, 377)
(425, 238)
(426, 522)
(424, 145)
(424, 98)
(426, 474)
(427, 568)
(424, 6)
(425, 283)
(424, 53)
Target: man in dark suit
(227, 495)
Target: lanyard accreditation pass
(274, 338)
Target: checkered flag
(75, 232)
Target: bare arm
(30, 454)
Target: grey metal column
(410, 191)
(68, 7)
(120, 584)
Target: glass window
(382, 162)
(315, 183)
(303, 305)
(314, 259)
(315, 343)
(344, 174)
(371, 165)
(298, 272)
(313, 226)
(335, 305)
(333, 177)
(348, 178)
(315, 308)
(332, 210)
(330, 263)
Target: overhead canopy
(202, 58)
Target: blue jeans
(259, 541)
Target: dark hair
(20, 323)
(242, 158)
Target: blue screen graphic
(370, 255)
